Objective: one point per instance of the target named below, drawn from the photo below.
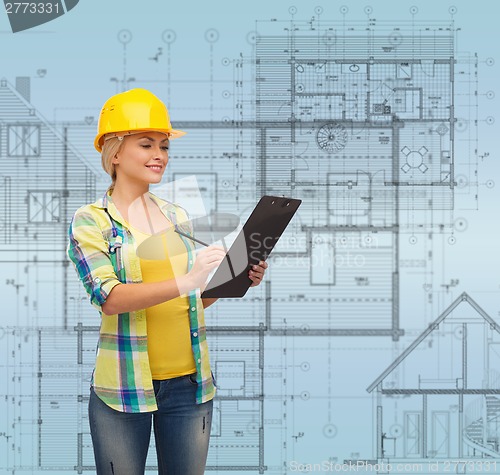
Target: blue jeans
(181, 428)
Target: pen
(192, 238)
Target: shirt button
(195, 334)
(97, 280)
(199, 360)
(190, 261)
(193, 309)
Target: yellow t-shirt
(169, 341)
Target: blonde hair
(109, 149)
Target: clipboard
(254, 243)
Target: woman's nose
(158, 151)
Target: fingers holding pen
(206, 260)
(211, 257)
(212, 254)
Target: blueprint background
(81, 52)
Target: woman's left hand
(256, 273)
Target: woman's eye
(149, 146)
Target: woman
(152, 363)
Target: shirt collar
(106, 202)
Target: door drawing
(413, 434)
(440, 434)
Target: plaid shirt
(103, 252)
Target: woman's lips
(155, 168)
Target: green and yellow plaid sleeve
(89, 252)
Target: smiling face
(142, 158)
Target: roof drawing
(6, 84)
(464, 297)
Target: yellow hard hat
(132, 111)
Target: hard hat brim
(172, 134)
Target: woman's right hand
(205, 262)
